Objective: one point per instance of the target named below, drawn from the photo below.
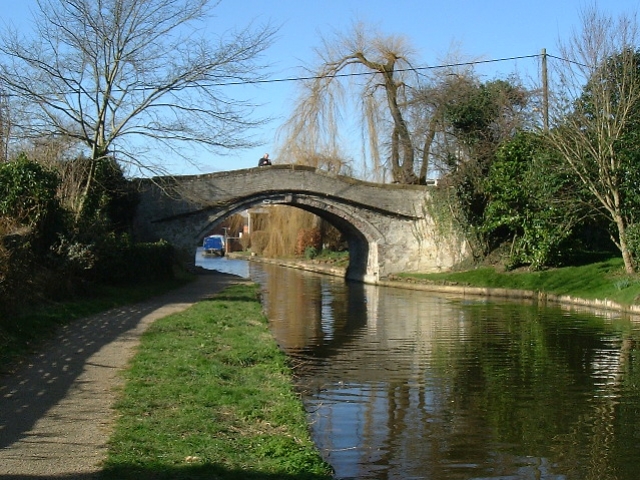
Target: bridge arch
(360, 234)
(388, 227)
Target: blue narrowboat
(213, 245)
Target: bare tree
(5, 126)
(598, 106)
(114, 73)
(378, 67)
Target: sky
(485, 29)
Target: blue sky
(489, 29)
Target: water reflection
(404, 385)
(222, 264)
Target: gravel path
(56, 410)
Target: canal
(402, 384)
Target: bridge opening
(272, 228)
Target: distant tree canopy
(413, 124)
(99, 74)
(511, 181)
(383, 63)
(479, 117)
(486, 113)
(619, 73)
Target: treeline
(546, 196)
(536, 176)
(51, 251)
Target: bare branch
(101, 72)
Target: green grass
(23, 334)
(601, 280)
(209, 395)
(338, 259)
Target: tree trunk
(627, 257)
(405, 146)
(86, 190)
(424, 167)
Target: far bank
(600, 285)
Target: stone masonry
(387, 226)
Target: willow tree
(596, 123)
(371, 70)
(117, 74)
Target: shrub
(112, 198)
(526, 206)
(113, 259)
(27, 191)
(28, 199)
(23, 278)
(308, 238)
(310, 253)
(118, 260)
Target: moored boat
(213, 245)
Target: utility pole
(545, 91)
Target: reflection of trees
(525, 386)
(627, 415)
(306, 311)
(427, 384)
(294, 316)
(549, 385)
(606, 435)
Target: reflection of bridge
(388, 227)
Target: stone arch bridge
(387, 226)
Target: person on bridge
(264, 161)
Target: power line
(569, 61)
(352, 74)
(356, 74)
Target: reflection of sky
(344, 422)
(326, 320)
(222, 264)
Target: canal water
(401, 384)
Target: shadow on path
(57, 405)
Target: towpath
(56, 410)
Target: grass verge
(600, 280)
(24, 333)
(209, 395)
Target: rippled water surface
(409, 385)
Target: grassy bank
(24, 333)
(209, 395)
(601, 280)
